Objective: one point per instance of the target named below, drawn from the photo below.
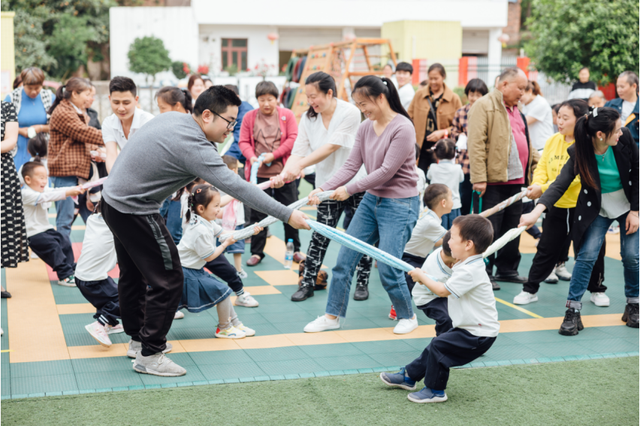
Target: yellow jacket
(554, 156)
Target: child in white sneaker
(50, 245)
(197, 247)
(97, 258)
(447, 172)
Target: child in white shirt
(472, 308)
(447, 172)
(237, 249)
(51, 246)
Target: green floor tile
(608, 345)
(110, 379)
(347, 362)
(383, 347)
(220, 357)
(229, 371)
(323, 351)
(281, 354)
(39, 369)
(296, 366)
(27, 385)
(392, 358)
(561, 349)
(101, 365)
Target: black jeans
(415, 261)
(451, 349)
(151, 279)
(55, 250)
(224, 270)
(553, 248)
(103, 295)
(438, 310)
(466, 191)
(329, 214)
(508, 257)
(285, 195)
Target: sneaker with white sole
(231, 333)
(70, 281)
(322, 323)
(242, 274)
(178, 315)
(562, 272)
(158, 365)
(136, 347)
(600, 299)
(115, 329)
(525, 298)
(246, 300)
(249, 332)
(552, 278)
(406, 325)
(97, 331)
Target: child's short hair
(434, 194)
(266, 88)
(231, 162)
(38, 146)
(476, 85)
(28, 168)
(404, 66)
(476, 228)
(445, 244)
(445, 149)
(200, 195)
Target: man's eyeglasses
(230, 124)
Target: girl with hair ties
(174, 99)
(385, 145)
(605, 157)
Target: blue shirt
(234, 149)
(31, 113)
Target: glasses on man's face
(230, 124)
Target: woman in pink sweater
(385, 144)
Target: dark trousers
(103, 295)
(466, 192)
(415, 261)
(147, 257)
(285, 195)
(427, 156)
(55, 250)
(553, 247)
(438, 310)
(329, 213)
(508, 257)
(451, 349)
(224, 270)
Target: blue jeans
(588, 254)
(64, 208)
(388, 222)
(170, 211)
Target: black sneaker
(572, 323)
(361, 293)
(495, 285)
(303, 293)
(630, 315)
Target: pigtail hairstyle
(74, 84)
(38, 147)
(373, 86)
(200, 195)
(597, 120)
(323, 82)
(173, 95)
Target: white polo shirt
(198, 242)
(36, 208)
(112, 127)
(472, 306)
(435, 267)
(427, 232)
(406, 93)
(98, 255)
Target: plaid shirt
(70, 141)
(459, 126)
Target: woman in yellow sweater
(556, 226)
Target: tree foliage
(570, 34)
(147, 55)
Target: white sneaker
(242, 274)
(70, 281)
(525, 298)
(113, 330)
(600, 299)
(552, 278)
(322, 323)
(246, 300)
(97, 331)
(249, 332)
(135, 347)
(34, 255)
(231, 333)
(406, 325)
(178, 315)
(562, 273)
(158, 365)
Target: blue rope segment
(253, 176)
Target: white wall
(175, 26)
(475, 42)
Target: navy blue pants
(103, 295)
(224, 270)
(438, 310)
(55, 250)
(451, 349)
(412, 260)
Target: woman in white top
(538, 113)
(326, 135)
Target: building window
(234, 52)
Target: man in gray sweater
(163, 156)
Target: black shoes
(572, 322)
(303, 293)
(517, 279)
(7, 295)
(495, 285)
(361, 293)
(630, 315)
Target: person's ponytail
(59, 96)
(373, 86)
(394, 98)
(74, 84)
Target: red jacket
(288, 128)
